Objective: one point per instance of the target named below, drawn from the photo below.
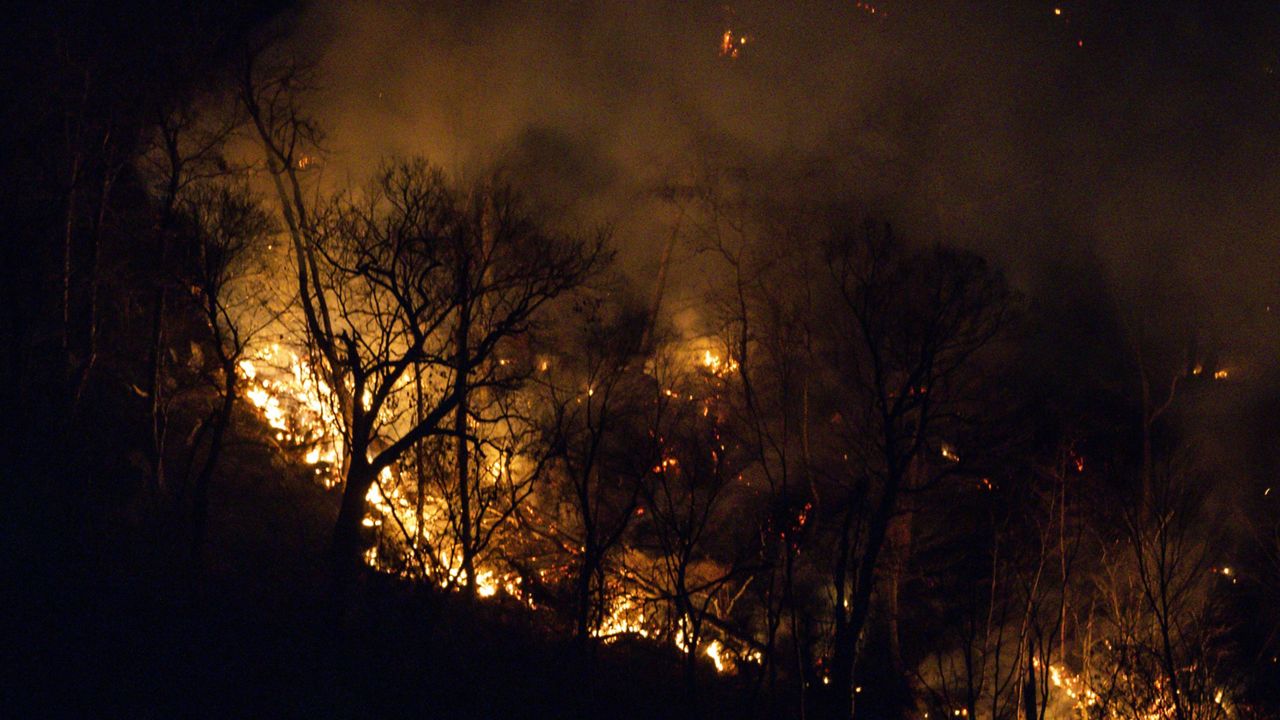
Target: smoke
(1130, 140)
(991, 128)
(1116, 161)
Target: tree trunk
(1030, 706)
(68, 257)
(421, 471)
(900, 531)
(159, 417)
(860, 601)
(347, 543)
(690, 625)
(95, 260)
(460, 428)
(840, 672)
(200, 493)
(584, 601)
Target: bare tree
(1159, 649)
(913, 324)
(767, 317)
(1004, 625)
(687, 523)
(228, 280)
(600, 410)
(186, 147)
(97, 138)
(407, 278)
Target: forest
(298, 427)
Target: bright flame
(717, 365)
(297, 405)
(1072, 685)
(714, 652)
(302, 410)
(624, 618)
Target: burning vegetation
(846, 474)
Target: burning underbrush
(530, 555)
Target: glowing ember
(731, 45)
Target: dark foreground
(110, 621)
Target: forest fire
(767, 360)
(301, 408)
(718, 365)
(284, 389)
(1101, 702)
(624, 617)
(1072, 686)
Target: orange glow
(731, 44)
(413, 534)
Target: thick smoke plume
(1042, 140)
